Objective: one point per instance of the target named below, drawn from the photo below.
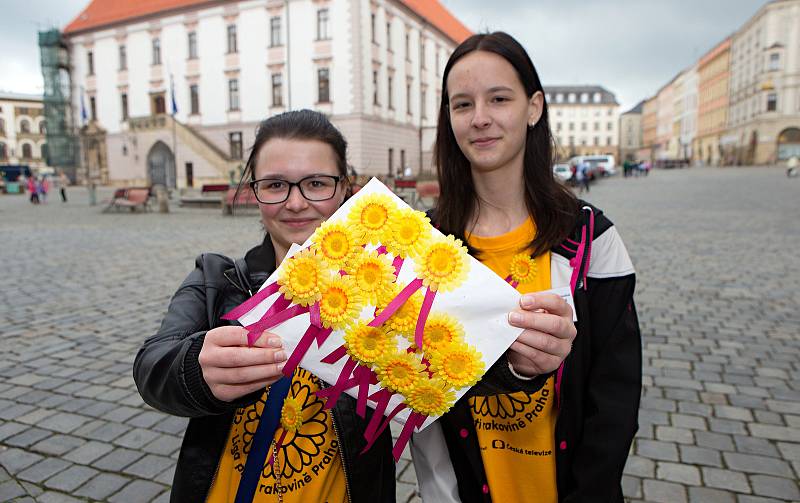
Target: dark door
(189, 175)
(161, 165)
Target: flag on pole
(84, 115)
(172, 95)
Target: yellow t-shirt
(308, 464)
(516, 431)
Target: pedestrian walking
(791, 166)
(43, 187)
(63, 181)
(33, 190)
(582, 175)
(560, 432)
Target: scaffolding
(62, 140)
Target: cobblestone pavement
(719, 276)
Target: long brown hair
(551, 205)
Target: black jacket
(599, 392)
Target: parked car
(599, 165)
(562, 171)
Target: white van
(602, 165)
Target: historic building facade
(175, 89)
(712, 110)
(630, 133)
(583, 119)
(22, 130)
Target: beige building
(712, 111)
(373, 66)
(583, 119)
(22, 130)
(764, 110)
(630, 133)
(649, 129)
(665, 146)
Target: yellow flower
(369, 217)
(368, 344)
(441, 330)
(372, 274)
(431, 397)
(302, 278)
(409, 232)
(292, 414)
(404, 320)
(443, 265)
(399, 372)
(335, 244)
(458, 365)
(523, 268)
(340, 304)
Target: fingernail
(274, 342)
(280, 356)
(527, 300)
(514, 317)
(280, 366)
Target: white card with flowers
(381, 305)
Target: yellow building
(712, 113)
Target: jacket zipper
(341, 449)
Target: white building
(373, 66)
(583, 119)
(685, 113)
(22, 130)
(764, 113)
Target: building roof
(637, 109)
(104, 13)
(9, 96)
(606, 96)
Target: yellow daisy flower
(340, 303)
(523, 268)
(441, 330)
(409, 232)
(335, 244)
(302, 278)
(404, 320)
(457, 365)
(431, 397)
(372, 274)
(292, 414)
(443, 265)
(368, 344)
(369, 217)
(399, 372)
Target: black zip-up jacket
(600, 384)
(169, 378)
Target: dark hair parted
(552, 206)
(296, 125)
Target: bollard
(162, 199)
(92, 194)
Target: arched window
(27, 151)
(2, 126)
(3, 151)
(24, 126)
(43, 127)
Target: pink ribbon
(415, 420)
(278, 445)
(424, 311)
(315, 314)
(313, 333)
(398, 264)
(362, 377)
(248, 305)
(267, 322)
(511, 281)
(396, 303)
(384, 422)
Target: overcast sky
(631, 47)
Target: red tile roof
(103, 13)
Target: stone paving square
(718, 296)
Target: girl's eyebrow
(494, 89)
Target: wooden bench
(132, 197)
(214, 187)
(246, 198)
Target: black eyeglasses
(313, 188)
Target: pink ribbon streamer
(384, 423)
(267, 322)
(423, 316)
(398, 264)
(415, 420)
(362, 377)
(278, 306)
(320, 335)
(381, 399)
(396, 303)
(381, 250)
(315, 314)
(248, 305)
(511, 281)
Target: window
(43, 151)
(192, 39)
(90, 62)
(275, 31)
(27, 152)
(235, 140)
(423, 104)
(584, 98)
(408, 46)
(558, 126)
(43, 127)
(572, 126)
(571, 141)
(375, 88)
(583, 126)
(277, 90)
(390, 94)
(597, 126)
(389, 36)
(403, 160)
(408, 98)
(123, 58)
(774, 62)
(156, 51)
(323, 86)
(232, 39)
(93, 108)
(372, 28)
(322, 24)
(194, 100)
(2, 125)
(3, 151)
(610, 126)
(571, 98)
(124, 102)
(24, 126)
(559, 98)
(597, 97)
(233, 94)
(772, 102)
(609, 140)
(422, 52)
(391, 162)
(596, 141)
(436, 59)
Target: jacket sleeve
(166, 369)
(500, 380)
(611, 401)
